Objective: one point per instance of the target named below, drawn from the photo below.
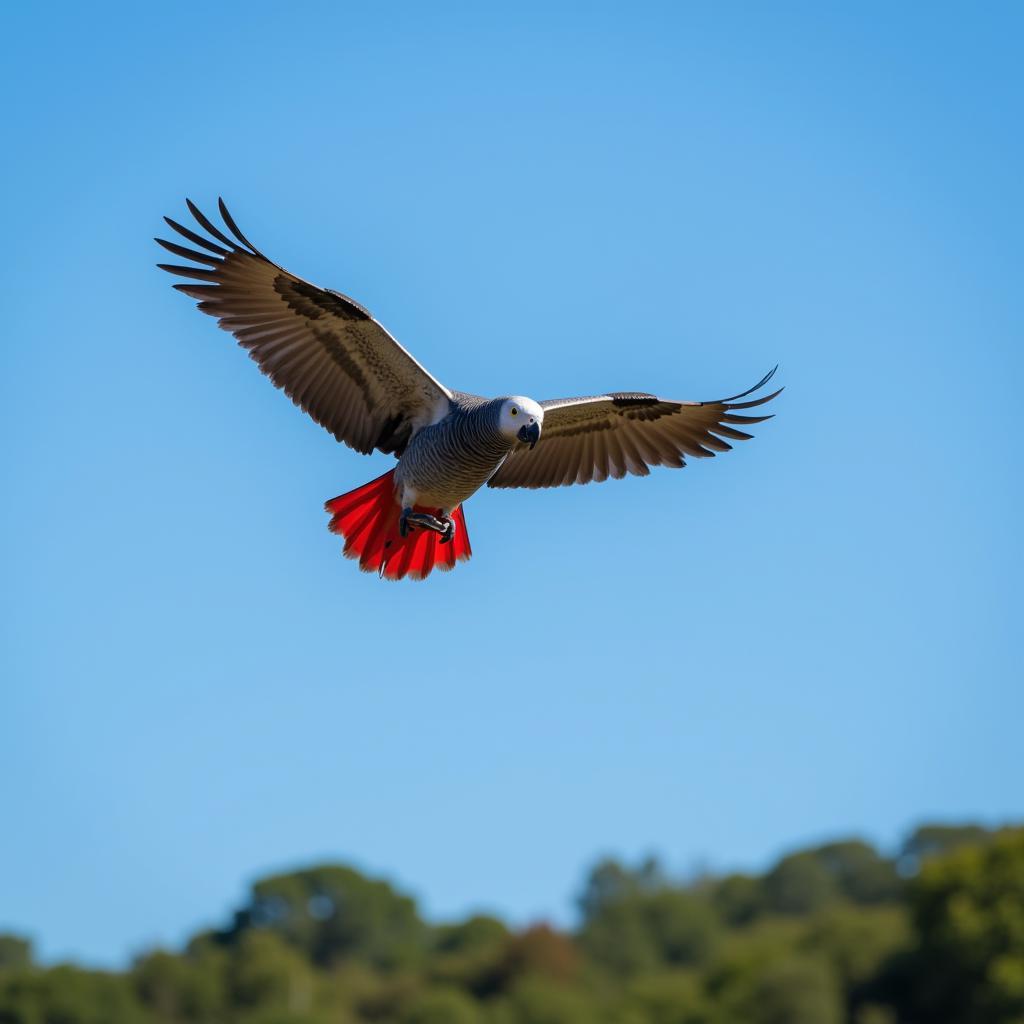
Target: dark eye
(514, 411)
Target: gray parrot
(336, 362)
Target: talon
(419, 520)
(449, 530)
(403, 522)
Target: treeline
(838, 933)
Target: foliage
(833, 934)
(934, 840)
(637, 921)
(333, 913)
(968, 912)
(15, 951)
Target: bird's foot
(411, 520)
(448, 533)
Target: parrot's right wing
(586, 439)
(330, 356)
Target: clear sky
(814, 635)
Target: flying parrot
(337, 363)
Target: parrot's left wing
(331, 357)
(586, 439)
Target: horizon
(565, 919)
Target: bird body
(448, 461)
(336, 362)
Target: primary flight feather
(336, 362)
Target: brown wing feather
(327, 353)
(603, 436)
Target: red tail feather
(368, 520)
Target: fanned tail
(368, 520)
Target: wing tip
(757, 387)
(732, 402)
(234, 229)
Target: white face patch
(518, 412)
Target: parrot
(338, 364)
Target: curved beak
(529, 433)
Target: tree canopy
(835, 934)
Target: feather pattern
(448, 461)
(601, 436)
(336, 362)
(328, 354)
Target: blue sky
(814, 635)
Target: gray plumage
(448, 461)
(337, 363)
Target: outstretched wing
(328, 353)
(586, 439)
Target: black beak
(529, 433)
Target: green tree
(830, 934)
(471, 955)
(186, 988)
(796, 991)
(809, 880)
(968, 912)
(936, 840)
(611, 883)
(738, 899)
(859, 943)
(668, 997)
(15, 951)
(333, 913)
(636, 921)
(782, 989)
(264, 972)
(470, 936)
(541, 1001)
(799, 884)
(442, 1006)
(68, 995)
(860, 873)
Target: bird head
(521, 419)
